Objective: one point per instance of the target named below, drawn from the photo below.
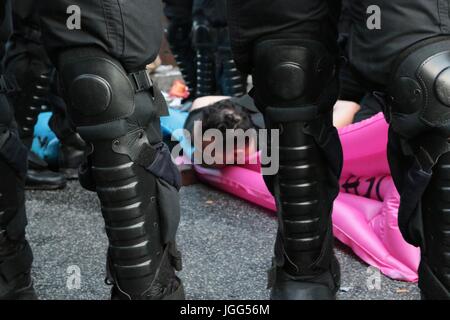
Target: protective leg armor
(205, 44)
(419, 154)
(180, 41)
(296, 88)
(27, 61)
(15, 253)
(117, 114)
(233, 82)
(32, 71)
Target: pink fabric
(365, 212)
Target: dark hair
(225, 115)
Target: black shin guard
(27, 61)
(233, 82)
(117, 115)
(296, 89)
(420, 168)
(434, 277)
(180, 41)
(205, 46)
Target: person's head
(228, 116)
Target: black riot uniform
(199, 39)
(15, 253)
(100, 50)
(290, 48)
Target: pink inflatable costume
(365, 212)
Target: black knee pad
(295, 80)
(97, 87)
(419, 89)
(102, 93)
(179, 35)
(419, 114)
(203, 34)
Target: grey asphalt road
(226, 244)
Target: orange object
(179, 90)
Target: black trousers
(187, 10)
(130, 31)
(371, 52)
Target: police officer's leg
(204, 37)
(116, 110)
(179, 36)
(27, 61)
(419, 153)
(15, 253)
(415, 73)
(293, 67)
(72, 146)
(229, 80)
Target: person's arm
(344, 113)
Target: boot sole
(27, 293)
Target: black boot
(15, 270)
(40, 177)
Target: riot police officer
(290, 48)
(115, 108)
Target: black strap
(141, 80)
(428, 149)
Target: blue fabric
(172, 126)
(45, 142)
